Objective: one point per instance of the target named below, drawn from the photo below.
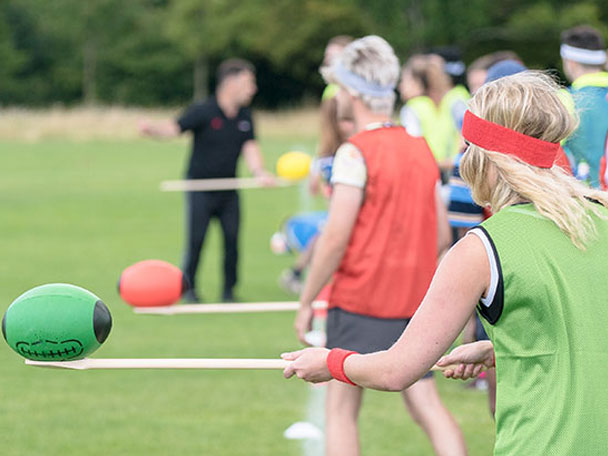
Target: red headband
(496, 138)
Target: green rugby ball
(56, 322)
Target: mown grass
(80, 212)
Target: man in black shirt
(222, 130)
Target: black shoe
(228, 296)
(190, 297)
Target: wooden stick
(279, 306)
(212, 185)
(173, 363)
(163, 363)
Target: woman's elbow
(393, 381)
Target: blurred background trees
(164, 52)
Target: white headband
(584, 56)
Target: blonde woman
(536, 272)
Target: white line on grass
(316, 416)
(315, 410)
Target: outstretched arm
(461, 279)
(166, 129)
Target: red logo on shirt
(216, 123)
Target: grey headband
(361, 85)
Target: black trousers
(201, 207)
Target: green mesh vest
(451, 117)
(548, 322)
(428, 116)
(437, 122)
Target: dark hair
(454, 66)
(584, 37)
(232, 67)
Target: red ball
(151, 283)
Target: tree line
(164, 52)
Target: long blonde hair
(530, 103)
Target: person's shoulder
(415, 141)
(410, 120)
(349, 166)
(347, 151)
(598, 79)
(460, 92)
(378, 129)
(472, 241)
(514, 216)
(420, 103)
(208, 103)
(203, 106)
(392, 133)
(196, 115)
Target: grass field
(80, 211)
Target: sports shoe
(190, 297)
(228, 296)
(291, 282)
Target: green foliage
(147, 51)
(12, 60)
(205, 27)
(294, 38)
(143, 67)
(297, 31)
(535, 30)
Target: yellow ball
(293, 165)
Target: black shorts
(362, 333)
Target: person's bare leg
(342, 406)
(424, 404)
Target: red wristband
(335, 364)
(493, 359)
